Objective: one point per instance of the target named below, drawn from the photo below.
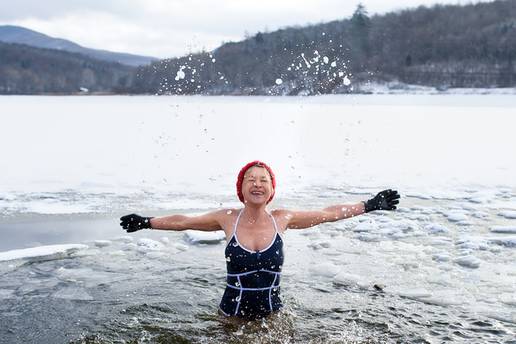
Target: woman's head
(255, 182)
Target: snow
(326, 269)
(180, 74)
(504, 229)
(436, 228)
(102, 243)
(42, 252)
(148, 245)
(199, 237)
(468, 262)
(456, 216)
(508, 214)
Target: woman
(254, 250)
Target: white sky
(167, 28)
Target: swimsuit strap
(274, 223)
(236, 222)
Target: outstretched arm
(299, 219)
(385, 200)
(207, 222)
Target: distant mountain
(30, 70)
(20, 35)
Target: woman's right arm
(208, 222)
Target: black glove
(132, 223)
(385, 200)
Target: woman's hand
(385, 200)
(132, 223)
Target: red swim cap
(242, 172)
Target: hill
(29, 70)
(20, 35)
(442, 46)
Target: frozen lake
(446, 260)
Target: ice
(508, 299)
(366, 237)
(416, 294)
(441, 257)
(436, 228)
(326, 269)
(444, 298)
(279, 81)
(346, 81)
(468, 262)
(147, 245)
(180, 247)
(41, 253)
(440, 241)
(405, 225)
(504, 229)
(472, 243)
(199, 237)
(125, 239)
(102, 243)
(506, 241)
(73, 293)
(6, 294)
(53, 206)
(347, 279)
(366, 227)
(456, 216)
(508, 214)
(165, 240)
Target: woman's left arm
(298, 219)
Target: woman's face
(257, 185)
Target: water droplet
(229, 212)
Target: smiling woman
(254, 250)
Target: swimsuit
(253, 278)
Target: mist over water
(443, 264)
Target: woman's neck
(253, 214)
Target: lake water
(445, 260)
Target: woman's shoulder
(282, 218)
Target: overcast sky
(167, 28)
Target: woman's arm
(298, 219)
(208, 222)
(384, 200)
